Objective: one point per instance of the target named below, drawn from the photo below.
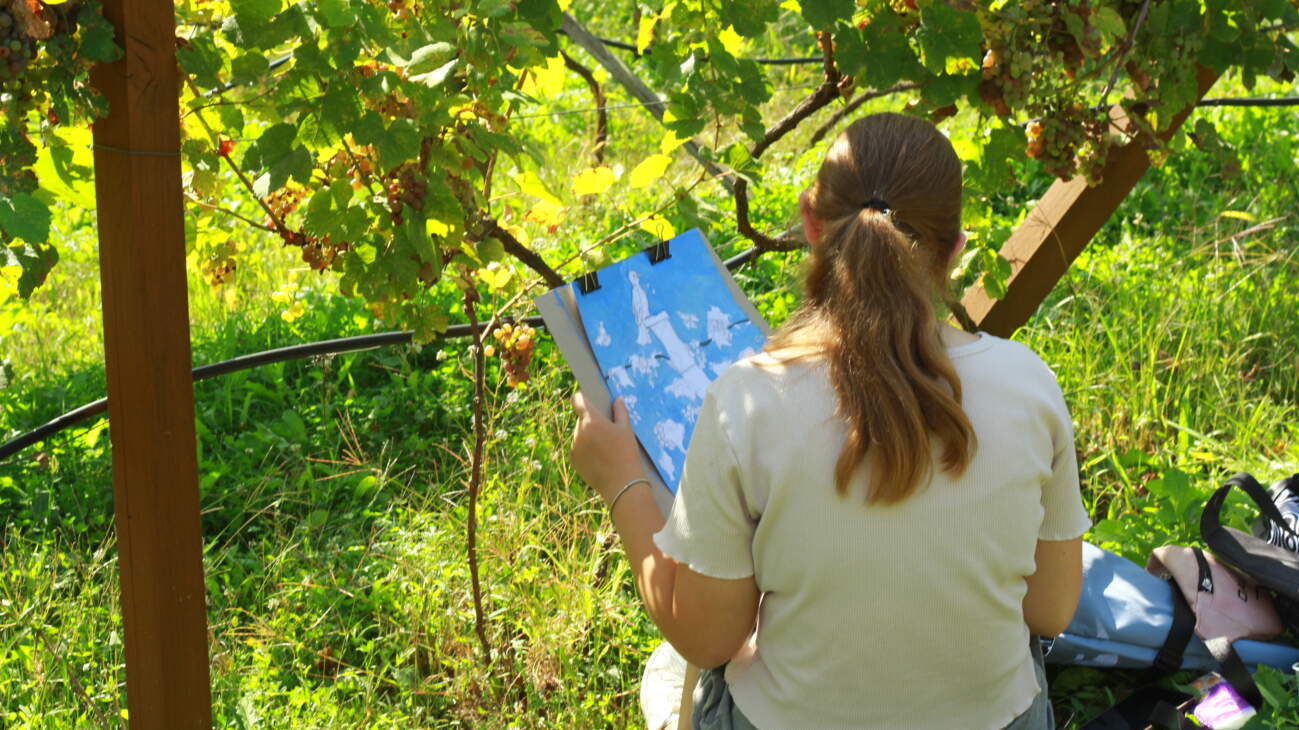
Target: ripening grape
(405, 185)
(516, 345)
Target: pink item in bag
(1226, 604)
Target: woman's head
(904, 163)
(884, 220)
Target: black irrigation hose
(282, 354)
(1279, 101)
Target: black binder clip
(659, 252)
(588, 282)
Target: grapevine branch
(856, 104)
(828, 91)
(476, 471)
(1121, 52)
(225, 155)
(515, 248)
(231, 213)
(597, 93)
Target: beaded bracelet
(623, 491)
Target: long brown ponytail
(889, 199)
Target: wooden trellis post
(150, 390)
(1061, 226)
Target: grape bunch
(17, 154)
(282, 202)
(318, 252)
(1007, 78)
(517, 344)
(219, 266)
(17, 50)
(341, 165)
(405, 185)
(1066, 134)
(402, 9)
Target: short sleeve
(1064, 516)
(709, 528)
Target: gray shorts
(716, 710)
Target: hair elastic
(876, 204)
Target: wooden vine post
(150, 389)
(1061, 225)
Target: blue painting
(661, 332)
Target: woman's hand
(604, 451)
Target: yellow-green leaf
(731, 40)
(530, 184)
(9, 276)
(645, 32)
(495, 276)
(649, 170)
(546, 80)
(545, 213)
(671, 141)
(593, 181)
(659, 227)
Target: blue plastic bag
(1123, 617)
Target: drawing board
(655, 328)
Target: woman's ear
(957, 248)
(811, 224)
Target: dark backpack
(1263, 556)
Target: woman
(902, 496)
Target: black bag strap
(1211, 518)
(1145, 706)
(1234, 671)
(1169, 658)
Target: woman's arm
(1054, 587)
(706, 619)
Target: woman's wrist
(639, 482)
(615, 477)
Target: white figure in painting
(693, 382)
(639, 309)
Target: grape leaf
(201, 60)
(889, 56)
(427, 58)
(946, 32)
(400, 142)
(434, 78)
(595, 181)
(97, 36)
(337, 13)
(750, 19)
(254, 12)
(822, 14)
(25, 217)
(649, 170)
(276, 155)
(36, 262)
(247, 68)
(1108, 21)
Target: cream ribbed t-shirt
(900, 616)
